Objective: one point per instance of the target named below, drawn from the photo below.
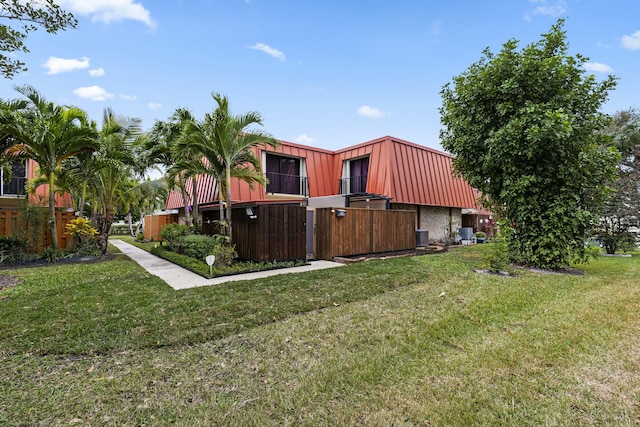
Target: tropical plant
(173, 235)
(166, 146)
(227, 144)
(112, 183)
(523, 125)
(48, 134)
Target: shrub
(225, 255)
(52, 254)
(81, 229)
(481, 234)
(198, 246)
(119, 230)
(496, 258)
(13, 249)
(173, 235)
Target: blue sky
(326, 73)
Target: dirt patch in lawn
(8, 281)
(394, 254)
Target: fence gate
(311, 234)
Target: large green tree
(227, 142)
(525, 128)
(25, 16)
(49, 134)
(622, 209)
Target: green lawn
(419, 341)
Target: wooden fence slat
(363, 231)
(11, 221)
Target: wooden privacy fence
(350, 231)
(12, 222)
(276, 233)
(153, 225)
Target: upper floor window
(355, 175)
(285, 175)
(16, 185)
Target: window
(16, 185)
(284, 175)
(358, 172)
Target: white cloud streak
(93, 93)
(632, 42)
(96, 72)
(546, 8)
(57, 65)
(371, 112)
(154, 106)
(597, 67)
(108, 11)
(128, 97)
(269, 51)
(305, 139)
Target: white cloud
(128, 97)
(305, 139)
(96, 72)
(154, 106)
(93, 93)
(60, 65)
(269, 51)
(632, 42)
(108, 11)
(371, 112)
(597, 67)
(547, 8)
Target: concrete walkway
(181, 278)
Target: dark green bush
(173, 235)
(12, 243)
(198, 246)
(13, 250)
(51, 254)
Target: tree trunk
(104, 226)
(130, 222)
(196, 214)
(185, 201)
(53, 229)
(221, 228)
(228, 200)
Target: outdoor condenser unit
(422, 238)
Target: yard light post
(210, 260)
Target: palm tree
(113, 170)
(223, 140)
(167, 147)
(48, 134)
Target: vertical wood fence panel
(11, 222)
(153, 225)
(277, 233)
(363, 231)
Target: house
(385, 173)
(13, 192)
(13, 196)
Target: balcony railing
(355, 184)
(287, 184)
(15, 187)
